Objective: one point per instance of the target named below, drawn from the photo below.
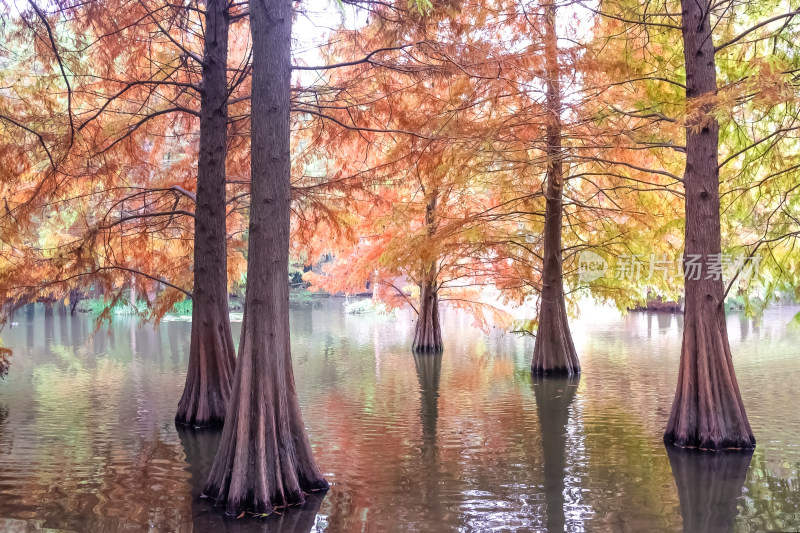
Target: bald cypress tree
(553, 351)
(264, 459)
(707, 411)
(211, 353)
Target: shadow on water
(200, 445)
(553, 398)
(709, 486)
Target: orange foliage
(113, 208)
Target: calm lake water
(462, 442)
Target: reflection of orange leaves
(483, 371)
(355, 449)
(469, 409)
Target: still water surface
(464, 442)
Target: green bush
(182, 308)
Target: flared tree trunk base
(211, 367)
(428, 331)
(554, 352)
(211, 354)
(200, 447)
(427, 348)
(707, 412)
(428, 336)
(264, 461)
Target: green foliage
(422, 6)
(182, 308)
(734, 303)
(794, 323)
(98, 306)
(525, 326)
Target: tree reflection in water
(429, 370)
(460, 443)
(709, 486)
(553, 398)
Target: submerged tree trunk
(428, 331)
(553, 351)
(211, 353)
(264, 458)
(199, 447)
(707, 411)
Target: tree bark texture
(553, 351)
(211, 353)
(428, 330)
(707, 411)
(199, 447)
(264, 459)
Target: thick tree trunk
(553, 398)
(211, 353)
(199, 447)
(264, 458)
(707, 411)
(75, 297)
(553, 351)
(709, 487)
(428, 331)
